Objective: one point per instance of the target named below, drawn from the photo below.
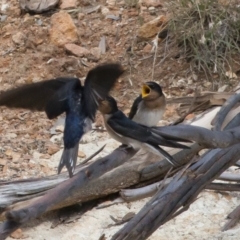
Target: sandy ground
(203, 220)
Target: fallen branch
(65, 190)
(179, 194)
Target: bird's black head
(151, 91)
(108, 106)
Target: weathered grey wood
(179, 194)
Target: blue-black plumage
(67, 95)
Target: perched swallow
(149, 107)
(137, 136)
(60, 95)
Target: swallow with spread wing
(60, 95)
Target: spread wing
(98, 83)
(134, 107)
(33, 96)
(59, 102)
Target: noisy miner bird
(64, 94)
(149, 107)
(137, 136)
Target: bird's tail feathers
(158, 139)
(158, 131)
(69, 159)
(160, 152)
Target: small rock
(52, 148)
(152, 3)
(11, 135)
(37, 6)
(3, 162)
(147, 48)
(4, 6)
(105, 11)
(181, 82)
(150, 29)
(67, 4)
(62, 30)
(190, 81)
(190, 116)
(81, 154)
(45, 156)
(8, 153)
(19, 39)
(81, 16)
(45, 170)
(16, 157)
(96, 52)
(207, 84)
(5, 168)
(231, 75)
(223, 88)
(77, 50)
(152, 9)
(111, 2)
(31, 165)
(3, 18)
(59, 128)
(17, 234)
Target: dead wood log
(130, 195)
(233, 217)
(184, 188)
(228, 105)
(202, 102)
(65, 190)
(203, 136)
(179, 194)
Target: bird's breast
(148, 117)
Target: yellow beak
(145, 90)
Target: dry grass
(207, 34)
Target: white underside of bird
(137, 145)
(148, 117)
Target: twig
(93, 155)
(179, 194)
(228, 105)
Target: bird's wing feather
(157, 130)
(98, 83)
(158, 150)
(58, 103)
(125, 127)
(33, 96)
(134, 107)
